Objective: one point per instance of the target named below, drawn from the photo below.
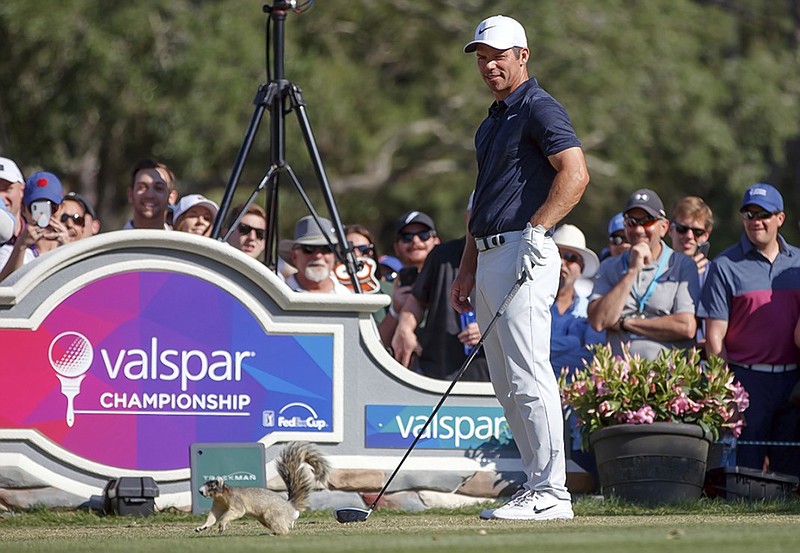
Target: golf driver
(356, 514)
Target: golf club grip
(506, 302)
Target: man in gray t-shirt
(646, 296)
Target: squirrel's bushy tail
(291, 466)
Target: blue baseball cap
(43, 186)
(616, 224)
(763, 195)
(392, 262)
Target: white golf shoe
(488, 514)
(533, 506)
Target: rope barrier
(767, 443)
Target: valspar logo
(169, 364)
(451, 428)
(71, 355)
(299, 415)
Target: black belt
(485, 243)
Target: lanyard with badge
(641, 299)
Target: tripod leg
(348, 254)
(241, 158)
(271, 173)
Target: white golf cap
(191, 200)
(499, 32)
(570, 237)
(9, 171)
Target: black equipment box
(742, 483)
(130, 496)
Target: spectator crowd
(639, 293)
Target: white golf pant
(518, 354)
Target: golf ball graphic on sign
(70, 356)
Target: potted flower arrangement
(626, 403)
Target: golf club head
(351, 514)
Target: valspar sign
(133, 368)
(453, 427)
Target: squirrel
(270, 508)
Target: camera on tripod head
(281, 5)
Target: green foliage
(675, 387)
(683, 96)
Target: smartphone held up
(41, 211)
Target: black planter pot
(651, 463)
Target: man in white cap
(571, 332)
(12, 189)
(531, 173)
(312, 255)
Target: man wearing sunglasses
(690, 228)
(617, 241)
(79, 216)
(647, 295)
(751, 304)
(415, 237)
(44, 230)
(570, 328)
(312, 254)
(430, 337)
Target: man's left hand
(532, 251)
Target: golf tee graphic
(70, 356)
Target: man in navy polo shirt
(531, 173)
(751, 303)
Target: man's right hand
(639, 256)
(404, 344)
(460, 290)
(399, 295)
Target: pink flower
(643, 415)
(736, 428)
(646, 414)
(677, 386)
(679, 405)
(740, 397)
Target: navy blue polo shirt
(512, 145)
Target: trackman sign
(132, 380)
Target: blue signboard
(396, 426)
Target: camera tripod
(280, 96)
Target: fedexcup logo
(70, 355)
